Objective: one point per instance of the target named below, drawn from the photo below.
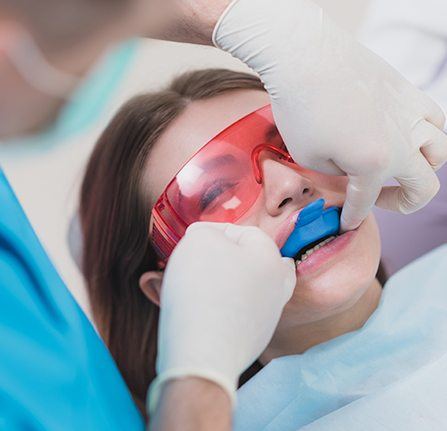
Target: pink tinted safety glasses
(220, 183)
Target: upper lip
(286, 228)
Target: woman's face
(329, 281)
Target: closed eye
(212, 193)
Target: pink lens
(220, 183)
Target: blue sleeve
(55, 372)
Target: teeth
(314, 249)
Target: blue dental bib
(314, 223)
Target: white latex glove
(339, 107)
(223, 292)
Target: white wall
(48, 184)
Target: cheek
(256, 216)
(338, 288)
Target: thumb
(256, 239)
(361, 195)
(289, 277)
(206, 225)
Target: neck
(297, 339)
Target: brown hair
(115, 219)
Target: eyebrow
(218, 161)
(270, 134)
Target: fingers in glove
(255, 239)
(417, 188)
(432, 142)
(325, 166)
(290, 278)
(434, 114)
(242, 235)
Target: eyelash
(212, 193)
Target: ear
(150, 284)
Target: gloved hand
(339, 107)
(223, 292)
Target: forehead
(197, 124)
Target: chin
(324, 292)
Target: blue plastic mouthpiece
(314, 223)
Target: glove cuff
(156, 386)
(220, 20)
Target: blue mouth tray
(313, 223)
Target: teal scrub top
(55, 372)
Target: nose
(285, 187)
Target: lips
(312, 248)
(286, 228)
(326, 254)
